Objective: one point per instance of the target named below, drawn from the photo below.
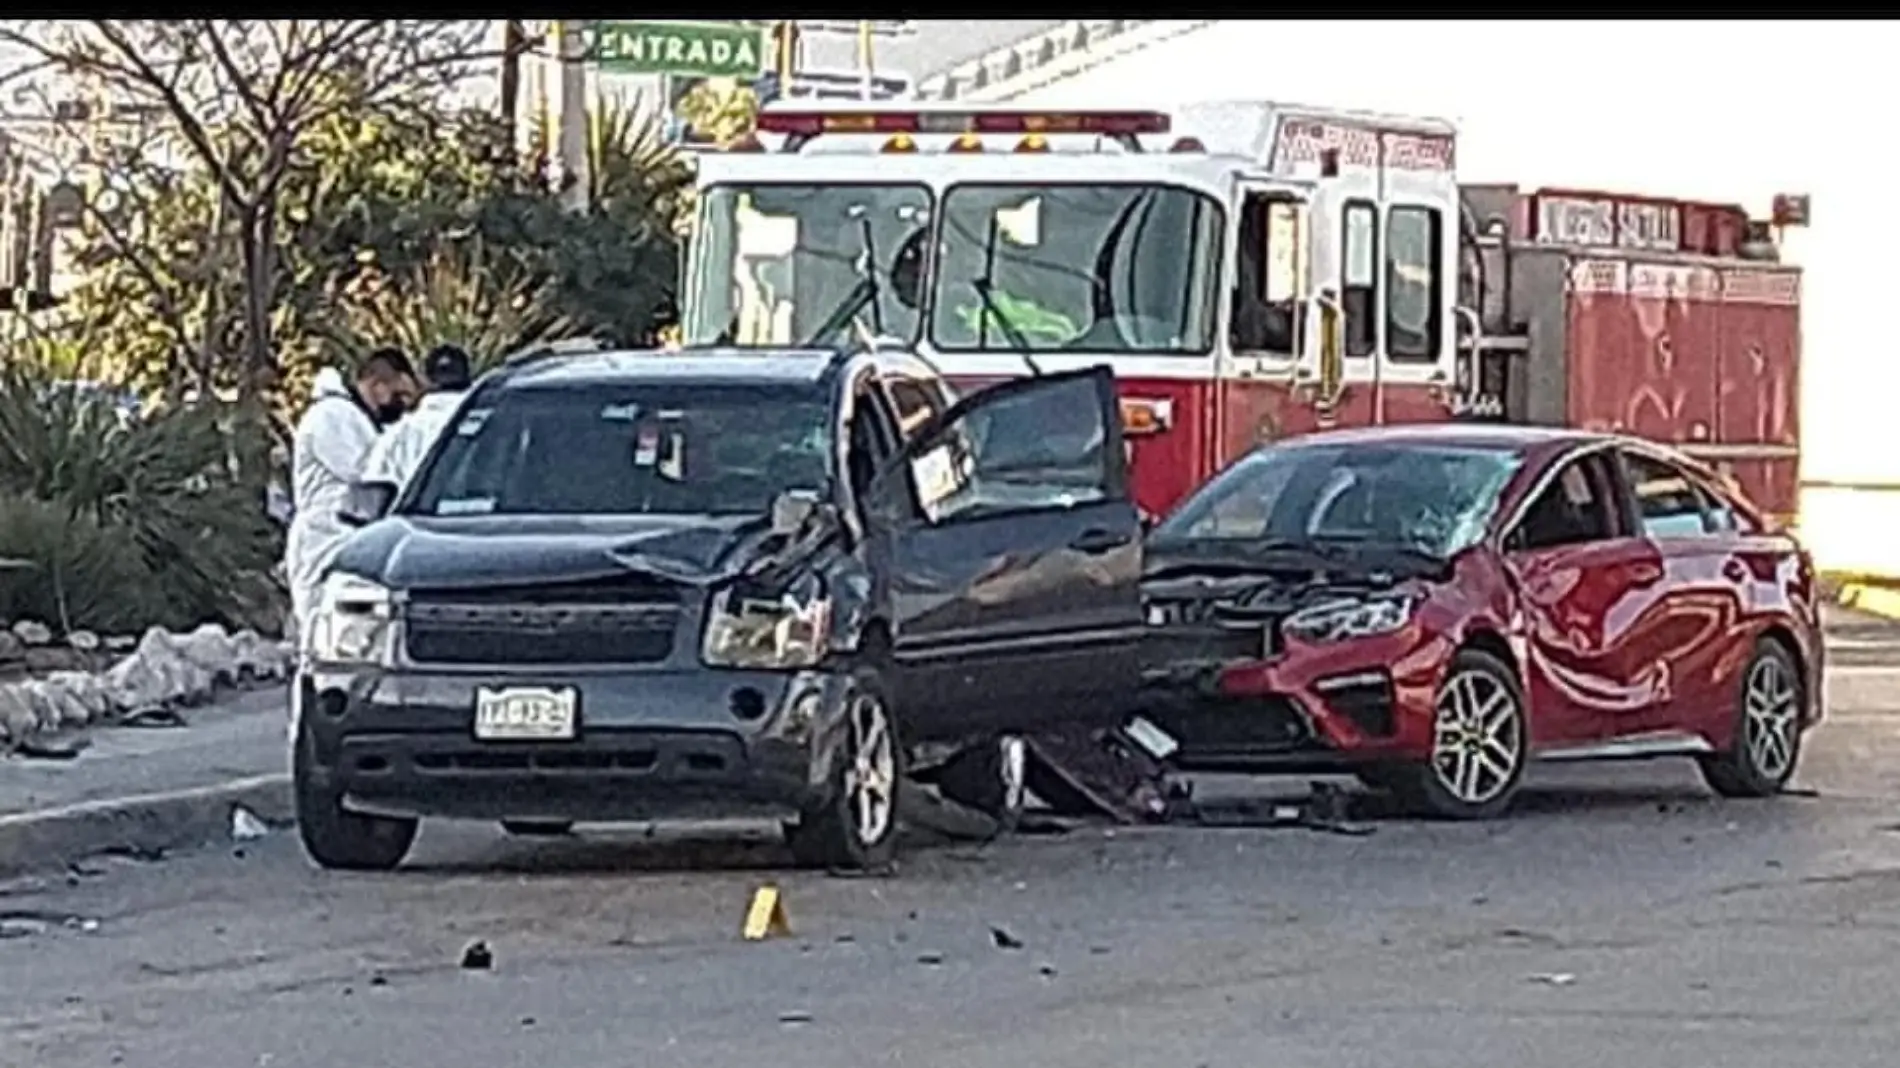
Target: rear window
(629, 450)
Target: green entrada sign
(701, 49)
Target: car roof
(1500, 436)
(709, 366)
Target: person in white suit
(396, 455)
(332, 441)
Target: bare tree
(234, 96)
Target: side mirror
(792, 510)
(369, 501)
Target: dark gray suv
(715, 583)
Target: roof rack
(548, 349)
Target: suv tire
(333, 836)
(854, 826)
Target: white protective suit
(326, 459)
(399, 451)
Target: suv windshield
(1095, 268)
(1427, 498)
(772, 263)
(629, 450)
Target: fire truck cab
(1249, 270)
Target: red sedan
(1434, 607)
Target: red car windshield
(1435, 499)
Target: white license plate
(525, 713)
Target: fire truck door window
(1266, 285)
(1110, 268)
(771, 263)
(1667, 503)
(1359, 277)
(1413, 284)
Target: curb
(140, 824)
(1883, 601)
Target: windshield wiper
(985, 286)
(867, 291)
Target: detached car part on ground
(629, 587)
(1434, 608)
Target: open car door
(1011, 551)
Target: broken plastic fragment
(245, 824)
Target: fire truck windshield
(1113, 268)
(775, 264)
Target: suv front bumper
(648, 744)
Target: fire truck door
(1266, 318)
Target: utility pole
(513, 43)
(864, 57)
(570, 37)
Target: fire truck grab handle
(1470, 326)
(1332, 343)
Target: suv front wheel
(855, 826)
(334, 836)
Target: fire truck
(1252, 270)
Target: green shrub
(126, 520)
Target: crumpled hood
(407, 552)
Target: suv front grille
(612, 622)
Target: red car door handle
(1099, 541)
(1733, 570)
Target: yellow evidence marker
(765, 917)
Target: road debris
(247, 825)
(930, 957)
(44, 748)
(794, 1016)
(477, 957)
(1327, 808)
(1004, 940)
(1553, 978)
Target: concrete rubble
(163, 671)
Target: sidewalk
(148, 789)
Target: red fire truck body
(1302, 268)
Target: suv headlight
(1344, 620)
(745, 632)
(354, 623)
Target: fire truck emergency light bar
(801, 126)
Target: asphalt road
(1622, 917)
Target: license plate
(525, 714)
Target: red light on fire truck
(900, 143)
(747, 143)
(811, 123)
(969, 142)
(1187, 144)
(1033, 143)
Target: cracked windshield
(1108, 268)
(807, 265)
(946, 543)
